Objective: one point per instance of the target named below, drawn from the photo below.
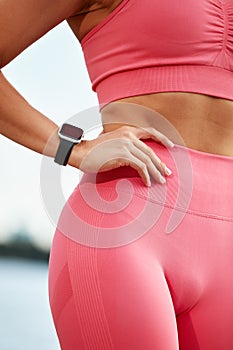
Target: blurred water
(25, 320)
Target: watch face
(71, 131)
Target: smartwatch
(69, 136)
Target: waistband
(202, 79)
(201, 182)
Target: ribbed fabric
(137, 268)
(213, 81)
(148, 46)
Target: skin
(205, 123)
(195, 117)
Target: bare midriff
(200, 122)
(197, 121)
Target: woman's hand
(122, 147)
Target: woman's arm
(20, 122)
(22, 22)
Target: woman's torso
(204, 123)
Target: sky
(52, 76)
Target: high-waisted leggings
(136, 267)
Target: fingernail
(171, 144)
(168, 171)
(162, 179)
(148, 184)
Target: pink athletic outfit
(147, 46)
(133, 267)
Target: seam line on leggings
(189, 211)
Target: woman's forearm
(20, 122)
(21, 24)
(25, 125)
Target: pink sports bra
(149, 46)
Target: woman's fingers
(141, 168)
(134, 153)
(123, 147)
(143, 133)
(149, 166)
(155, 159)
(154, 164)
(158, 136)
(135, 134)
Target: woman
(163, 72)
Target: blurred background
(52, 76)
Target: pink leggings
(138, 268)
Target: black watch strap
(64, 151)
